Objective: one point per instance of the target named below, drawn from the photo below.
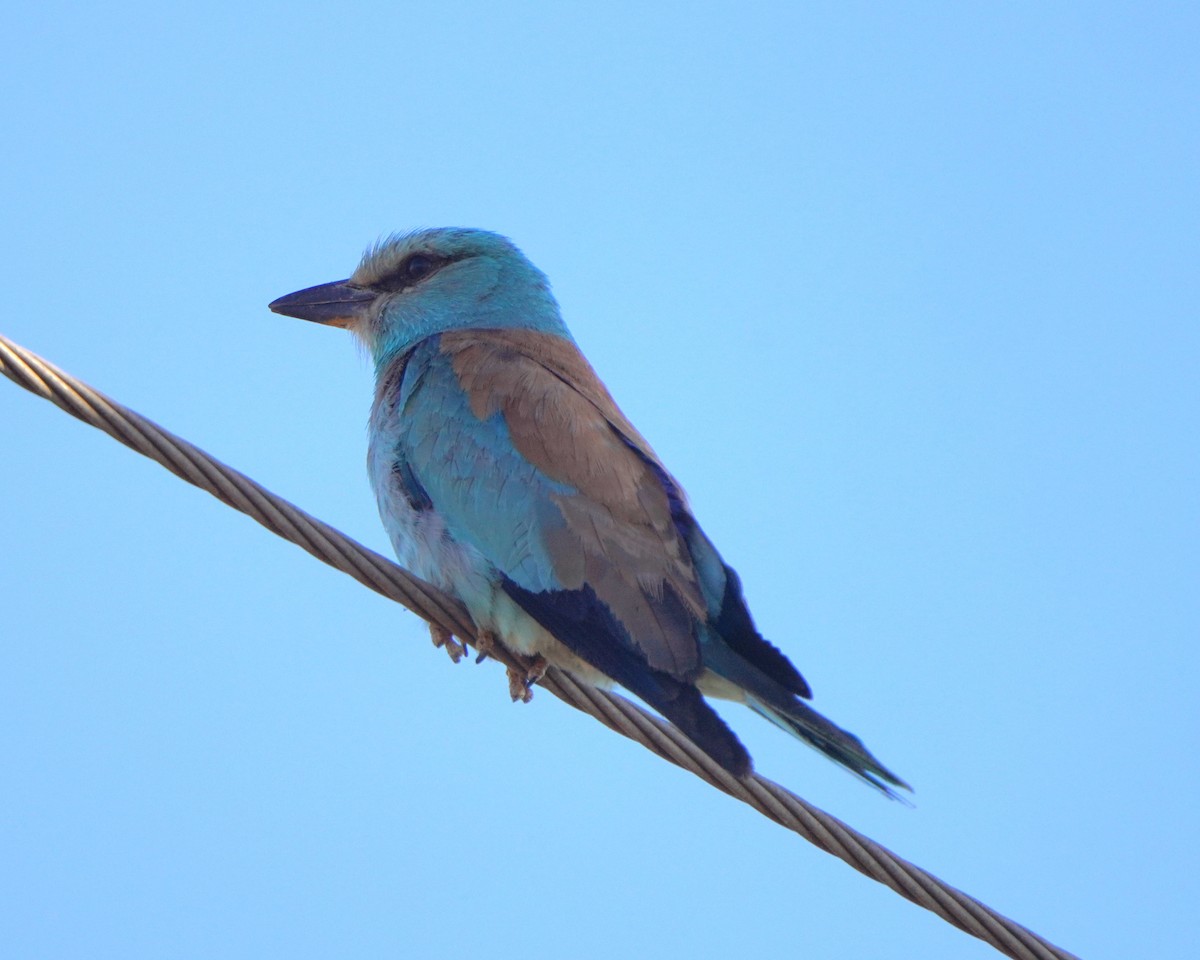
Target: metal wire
(383, 576)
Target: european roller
(506, 475)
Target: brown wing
(617, 536)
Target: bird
(506, 475)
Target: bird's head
(412, 286)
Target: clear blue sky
(908, 301)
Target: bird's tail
(804, 723)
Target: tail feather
(840, 746)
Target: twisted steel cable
(383, 576)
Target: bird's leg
(485, 643)
(444, 638)
(537, 670)
(520, 681)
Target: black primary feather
(585, 624)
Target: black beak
(339, 304)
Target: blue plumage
(506, 475)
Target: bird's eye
(411, 270)
(418, 266)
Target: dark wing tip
(690, 712)
(737, 629)
(586, 625)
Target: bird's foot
(520, 681)
(444, 638)
(485, 643)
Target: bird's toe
(443, 638)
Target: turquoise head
(411, 286)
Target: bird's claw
(444, 638)
(485, 643)
(520, 682)
(519, 679)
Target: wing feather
(614, 531)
